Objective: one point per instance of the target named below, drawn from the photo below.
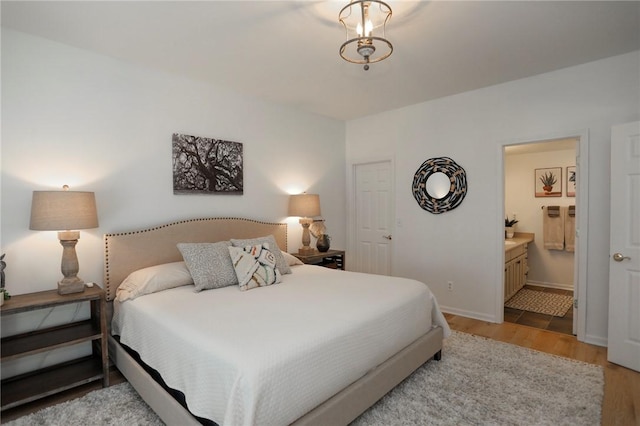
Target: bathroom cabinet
(516, 269)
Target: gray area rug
(477, 382)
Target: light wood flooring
(621, 405)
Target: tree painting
(206, 166)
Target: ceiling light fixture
(361, 19)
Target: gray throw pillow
(281, 263)
(209, 264)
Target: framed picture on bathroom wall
(548, 182)
(571, 181)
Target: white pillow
(291, 259)
(152, 279)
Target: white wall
(462, 245)
(550, 268)
(98, 124)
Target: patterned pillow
(255, 266)
(209, 264)
(281, 263)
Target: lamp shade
(304, 205)
(63, 210)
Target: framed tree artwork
(206, 166)
(571, 181)
(548, 182)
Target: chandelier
(361, 20)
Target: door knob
(619, 257)
(388, 237)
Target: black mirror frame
(457, 190)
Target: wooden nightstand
(57, 378)
(330, 259)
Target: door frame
(351, 204)
(582, 222)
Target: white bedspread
(269, 355)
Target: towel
(570, 229)
(553, 228)
(553, 211)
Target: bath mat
(540, 302)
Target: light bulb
(359, 29)
(368, 27)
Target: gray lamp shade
(304, 205)
(63, 210)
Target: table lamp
(305, 206)
(65, 211)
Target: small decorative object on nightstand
(28, 387)
(330, 259)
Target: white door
(624, 267)
(374, 202)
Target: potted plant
(548, 180)
(4, 295)
(509, 225)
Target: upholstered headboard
(126, 252)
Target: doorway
(549, 273)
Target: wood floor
(621, 405)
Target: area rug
(540, 302)
(477, 382)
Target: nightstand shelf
(330, 259)
(28, 387)
(46, 340)
(49, 381)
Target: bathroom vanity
(516, 266)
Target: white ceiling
(287, 51)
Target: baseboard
(559, 286)
(469, 314)
(596, 340)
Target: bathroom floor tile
(561, 325)
(534, 319)
(512, 315)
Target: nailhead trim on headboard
(111, 289)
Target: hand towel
(553, 211)
(570, 229)
(553, 228)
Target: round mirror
(438, 185)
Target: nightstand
(330, 259)
(28, 387)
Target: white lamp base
(70, 283)
(306, 236)
(68, 287)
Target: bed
(318, 348)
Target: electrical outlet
(450, 285)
